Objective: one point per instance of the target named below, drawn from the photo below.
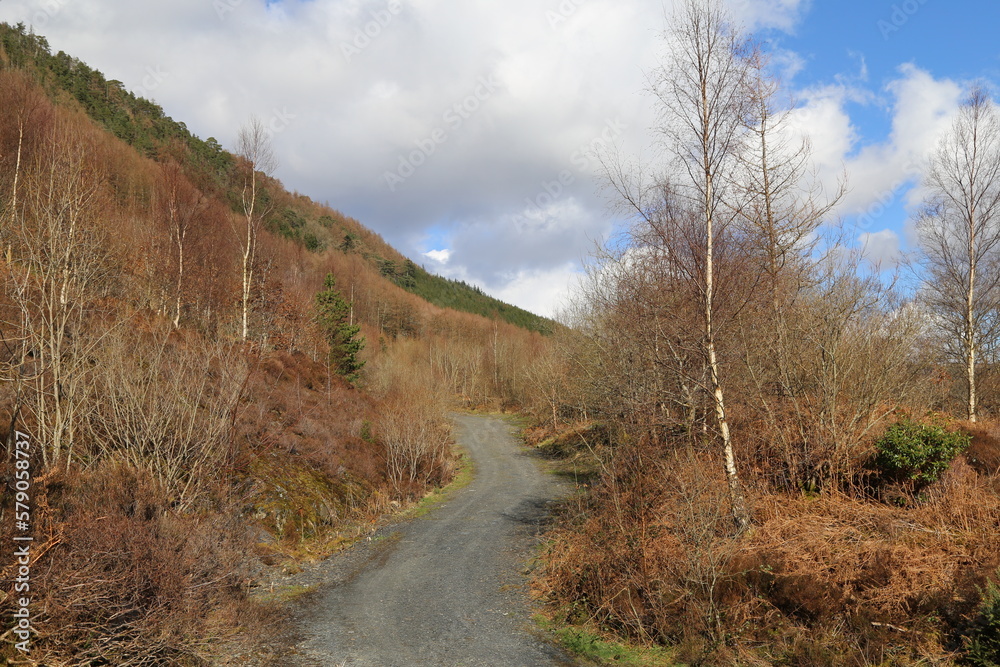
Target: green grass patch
(463, 477)
(582, 469)
(521, 422)
(592, 646)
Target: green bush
(983, 647)
(917, 453)
(312, 242)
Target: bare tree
(181, 205)
(27, 105)
(959, 231)
(782, 212)
(254, 148)
(784, 205)
(62, 260)
(703, 102)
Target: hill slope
(172, 457)
(143, 125)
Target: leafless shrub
(410, 421)
(652, 556)
(416, 442)
(167, 407)
(124, 579)
(61, 265)
(842, 362)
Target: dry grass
(121, 578)
(829, 579)
(984, 454)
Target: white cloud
(881, 174)
(785, 64)
(439, 256)
(780, 14)
(542, 291)
(824, 119)
(881, 249)
(922, 110)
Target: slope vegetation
(143, 125)
(170, 459)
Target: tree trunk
(970, 334)
(736, 498)
(17, 169)
(180, 279)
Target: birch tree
(254, 148)
(180, 206)
(959, 230)
(27, 106)
(62, 259)
(703, 102)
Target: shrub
(126, 579)
(312, 242)
(984, 452)
(983, 647)
(912, 452)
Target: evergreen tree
(333, 314)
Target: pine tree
(333, 314)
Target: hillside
(143, 125)
(186, 420)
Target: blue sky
(458, 129)
(955, 39)
(952, 40)
(889, 62)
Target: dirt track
(447, 589)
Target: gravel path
(447, 589)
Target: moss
(575, 453)
(302, 507)
(285, 594)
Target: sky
(465, 131)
